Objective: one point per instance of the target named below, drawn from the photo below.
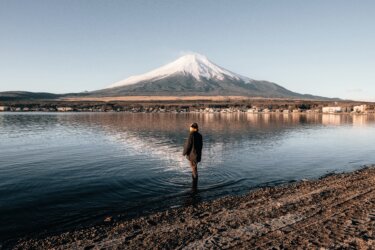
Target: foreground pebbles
(335, 212)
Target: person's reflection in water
(193, 197)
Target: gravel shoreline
(334, 212)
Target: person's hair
(194, 125)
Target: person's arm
(188, 145)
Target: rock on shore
(335, 212)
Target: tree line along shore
(196, 106)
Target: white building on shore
(331, 110)
(360, 109)
(64, 109)
(4, 108)
(251, 110)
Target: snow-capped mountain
(189, 75)
(194, 74)
(195, 65)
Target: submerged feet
(195, 183)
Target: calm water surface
(63, 171)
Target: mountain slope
(187, 85)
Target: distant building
(4, 108)
(360, 108)
(251, 110)
(332, 110)
(347, 109)
(64, 109)
(266, 110)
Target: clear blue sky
(322, 47)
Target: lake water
(61, 171)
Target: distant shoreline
(187, 104)
(336, 211)
(194, 112)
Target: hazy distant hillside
(24, 95)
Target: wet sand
(335, 212)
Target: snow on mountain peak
(193, 64)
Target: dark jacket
(193, 147)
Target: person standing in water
(193, 149)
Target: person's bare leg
(194, 169)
